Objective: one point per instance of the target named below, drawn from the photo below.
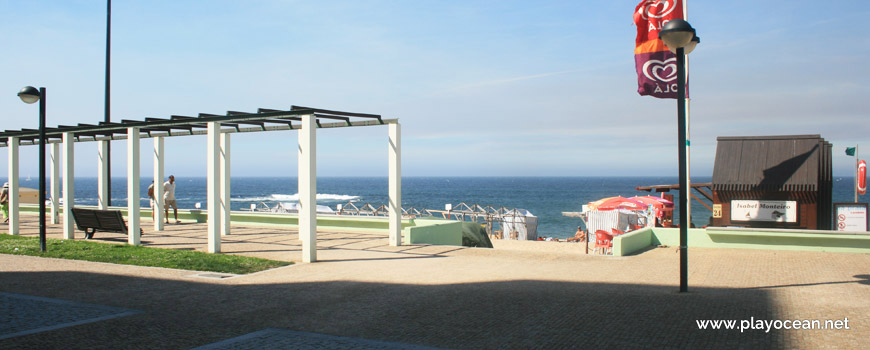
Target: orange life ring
(862, 177)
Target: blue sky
(482, 88)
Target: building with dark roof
(773, 182)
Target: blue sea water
(545, 197)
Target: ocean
(545, 197)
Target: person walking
(4, 201)
(151, 200)
(169, 199)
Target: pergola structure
(217, 129)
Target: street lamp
(679, 36)
(30, 95)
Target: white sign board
(772, 211)
(850, 217)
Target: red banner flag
(656, 65)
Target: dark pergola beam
(282, 120)
(346, 119)
(326, 111)
(151, 129)
(191, 124)
(279, 121)
(235, 113)
(207, 115)
(187, 126)
(259, 123)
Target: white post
(133, 226)
(13, 204)
(213, 187)
(55, 183)
(68, 185)
(225, 183)
(158, 183)
(300, 164)
(308, 194)
(395, 184)
(103, 174)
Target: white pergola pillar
(14, 182)
(103, 174)
(68, 185)
(308, 190)
(213, 187)
(300, 163)
(225, 183)
(133, 225)
(55, 184)
(158, 183)
(395, 184)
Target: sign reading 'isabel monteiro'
(656, 66)
(773, 211)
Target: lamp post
(679, 36)
(29, 95)
(108, 111)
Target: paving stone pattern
(24, 314)
(269, 339)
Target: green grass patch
(135, 255)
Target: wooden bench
(91, 220)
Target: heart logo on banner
(657, 8)
(661, 71)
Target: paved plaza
(365, 294)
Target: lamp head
(677, 33)
(691, 47)
(29, 94)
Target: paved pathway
(520, 295)
(271, 338)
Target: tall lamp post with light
(679, 36)
(30, 95)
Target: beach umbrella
(660, 199)
(620, 202)
(656, 202)
(594, 205)
(659, 206)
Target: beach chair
(603, 242)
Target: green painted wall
(804, 240)
(632, 242)
(433, 231)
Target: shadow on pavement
(508, 314)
